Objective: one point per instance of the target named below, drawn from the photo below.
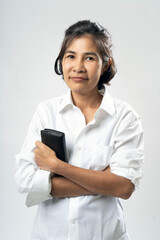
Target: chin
(77, 87)
(78, 90)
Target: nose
(79, 66)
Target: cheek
(66, 67)
(96, 71)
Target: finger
(39, 144)
(37, 151)
(38, 159)
(43, 147)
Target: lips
(78, 79)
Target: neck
(84, 101)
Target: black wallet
(56, 141)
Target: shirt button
(73, 221)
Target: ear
(107, 66)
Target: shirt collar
(66, 101)
(107, 103)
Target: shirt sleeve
(128, 155)
(29, 178)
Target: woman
(104, 141)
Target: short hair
(102, 39)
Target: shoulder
(127, 120)
(125, 112)
(51, 104)
(46, 112)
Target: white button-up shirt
(114, 137)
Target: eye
(90, 58)
(70, 56)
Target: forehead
(83, 43)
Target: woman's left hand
(45, 157)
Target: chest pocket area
(100, 157)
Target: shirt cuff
(41, 188)
(128, 164)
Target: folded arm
(63, 187)
(80, 181)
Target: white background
(31, 32)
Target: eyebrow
(87, 53)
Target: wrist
(60, 167)
(56, 165)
